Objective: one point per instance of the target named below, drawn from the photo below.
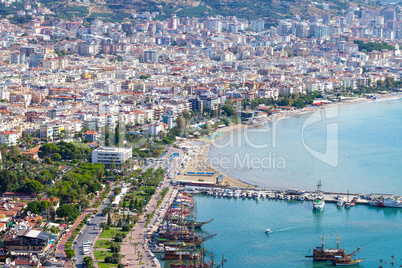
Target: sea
(356, 148)
(296, 229)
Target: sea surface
(364, 145)
(240, 226)
(354, 147)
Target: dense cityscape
(103, 123)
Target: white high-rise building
(257, 25)
(109, 155)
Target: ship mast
(322, 243)
(337, 241)
(319, 187)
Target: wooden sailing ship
(324, 254)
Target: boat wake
(284, 229)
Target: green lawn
(105, 243)
(101, 254)
(111, 233)
(106, 265)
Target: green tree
(47, 149)
(109, 219)
(8, 179)
(117, 135)
(31, 186)
(52, 213)
(56, 157)
(65, 211)
(70, 253)
(389, 82)
(107, 136)
(48, 161)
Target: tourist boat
(345, 261)
(319, 203)
(157, 248)
(324, 254)
(392, 202)
(176, 254)
(189, 223)
(374, 202)
(340, 202)
(205, 265)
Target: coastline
(239, 182)
(197, 160)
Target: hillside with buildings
(121, 10)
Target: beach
(196, 160)
(197, 156)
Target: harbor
(291, 194)
(177, 238)
(297, 229)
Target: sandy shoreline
(198, 161)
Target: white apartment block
(9, 137)
(154, 128)
(109, 155)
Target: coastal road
(131, 257)
(89, 234)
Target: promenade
(135, 251)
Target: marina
(340, 199)
(176, 243)
(296, 229)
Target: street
(88, 234)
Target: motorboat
(319, 203)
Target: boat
(176, 254)
(157, 248)
(268, 231)
(349, 203)
(345, 261)
(392, 202)
(319, 203)
(236, 194)
(323, 254)
(256, 195)
(340, 202)
(230, 194)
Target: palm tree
(102, 225)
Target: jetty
(288, 194)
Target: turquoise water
(240, 226)
(364, 141)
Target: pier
(289, 194)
